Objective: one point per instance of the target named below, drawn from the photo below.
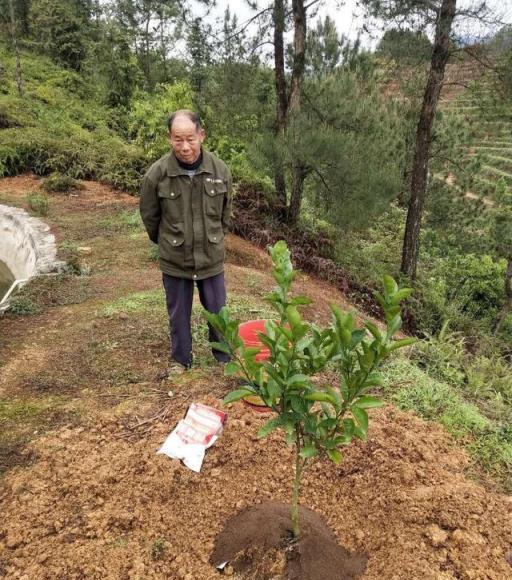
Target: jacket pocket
(171, 202)
(214, 198)
(170, 247)
(216, 244)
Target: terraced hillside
(491, 130)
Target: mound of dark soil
(249, 535)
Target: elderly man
(185, 204)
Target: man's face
(185, 139)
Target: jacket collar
(173, 167)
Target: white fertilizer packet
(193, 435)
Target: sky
(347, 16)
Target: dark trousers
(179, 293)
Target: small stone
(436, 535)
(508, 557)
(84, 250)
(18, 487)
(228, 570)
(14, 539)
(216, 472)
(460, 537)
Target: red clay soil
(98, 503)
(91, 499)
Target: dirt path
(83, 410)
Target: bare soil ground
(83, 409)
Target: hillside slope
(83, 408)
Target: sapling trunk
(299, 464)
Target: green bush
(298, 351)
(368, 254)
(14, 113)
(58, 183)
(442, 355)
(61, 126)
(80, 155)
(148, 117)
(467, 289)
(490, 378)
(22, 304)
(38, 203)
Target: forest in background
(328, 132)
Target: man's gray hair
(193, 116)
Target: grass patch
(488, 441)
(131, 219)
(127, 220)
(158, 549)
(22, 304)
(138, 302)
(16, 410)
(153, 255)
(48, 291)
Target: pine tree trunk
(298, 176)
(146, 42)
(163, 47)
(299, 54)
(507, 307)
(282, 98)
(419, 171)
(19, 76)
(299, 60)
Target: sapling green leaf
(308, 451)
(237, 395)
(231, 368)
(334, 455)
(221, 346)
(401, 343)
(368, 402)
(361, 416)
(390, 286)
(270, 426)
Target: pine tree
(61, 30)
(324, 52)
(440, 14)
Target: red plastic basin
(248, 332)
